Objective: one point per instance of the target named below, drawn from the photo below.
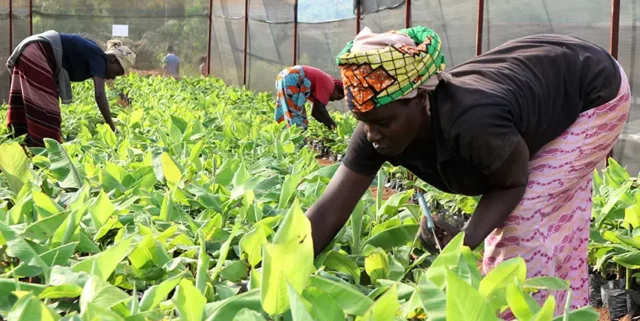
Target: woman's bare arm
(101, 100)
(509, 182)
(332, 210)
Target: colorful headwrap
(380, 68)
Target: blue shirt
(172, 61)
(82, 58)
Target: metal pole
(31, 17)
(358, 17)
(244, 49)
(295, 32)
(615, 27)
(479, 27)
(209, 40)
(407, 14)
(615, 36)
(10, 27)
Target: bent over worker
(295, 85)
(42, 68)
(523, 125)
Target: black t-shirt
(82, 58)
(534, 86)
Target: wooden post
(479, 27)
(209, 38)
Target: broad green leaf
(385, 226)
(448, 259)
(546, 313)
(101, 209)
(29, 308)
(44, 205)
(158, 293)
(299, 306)
(434, 301)
(235, 271)
(324, 172)
(104, 263)
(289, 259)
(615, 197)
(518, 303)
(20, 248)
(251, 244)
(101, 293)
(376, 264)
(166, 211)
(60, 255)
(45, 228)
(14, 165)
(179, 123)
(68, 229)
(248, 315)
(241, 175)
(62, 166)
(288, 188)
(323, 306)
(246, 187)
(349, 299)
(96, 312)
(630, 260)
(356, 228)
(394, 237)
(394, 202)
(148, 252)
(228, 309)
(189, 301)
(632, 216)
(11, 285)
(341, 262)
(546, 283)
(385, 308)
(135, 117)
(61, 291)
(172, 173)
(465, 303)
(492, 287)
(618, 238)
(582, 314)
(202, 271)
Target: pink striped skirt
(550, 226)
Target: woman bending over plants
(295, 85)
(42, 69)
(524, 125)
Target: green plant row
(194, 210)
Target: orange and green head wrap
(380, 68)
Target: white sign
(120, 31)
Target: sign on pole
(120, 31)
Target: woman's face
(114, 68)
(392, 127)
(337, 94)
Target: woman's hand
(444, 231)
(332, 210)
